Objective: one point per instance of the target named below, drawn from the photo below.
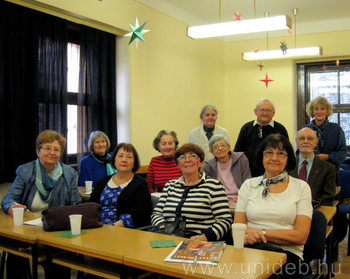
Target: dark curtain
(33, 84)
(97, 86)
(28, 38)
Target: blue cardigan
(90, 170)
(24, 188)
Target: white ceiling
(313, 16)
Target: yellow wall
(172, 77)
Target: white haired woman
(202, 134)
(229, 167)
(96, 164)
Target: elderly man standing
(319, 174)
(253, 132)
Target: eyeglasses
(280, 154)
(260, 132)
(265, 110)
(306, 138)
(217, 146)
(49, 149)
(191, 157)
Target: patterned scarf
(267, 181)
(319, 132)
(104, 160)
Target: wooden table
(132, 248)
(24, 233)
(82, 192)
(245, 263)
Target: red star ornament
(289, 32)
(324, 68)
(237, 17)
(256, 49)
(266, 80)
(337, 62)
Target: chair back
(344, 182)
(315, 245)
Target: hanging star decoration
(283, 47)
(337, 62)
(260, 65)
(266, 80)
(136, 33)
(256, 49)
(324, 68)
(289, 32)
(237, 17)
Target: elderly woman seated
(275, 206)
(205, 205)
(229, 167)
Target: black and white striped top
(206, 207)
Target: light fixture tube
(278, 54)
(240, 27)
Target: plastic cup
(75, 223)
(88, 186)
(238, 233)
(18, 216)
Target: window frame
(303, 89)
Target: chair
(344, 205)
(315, 245)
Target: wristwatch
(263, 231)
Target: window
(332, 83)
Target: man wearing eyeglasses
(319, 174)
(253, 132)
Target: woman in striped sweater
(206, 205)
(163, 168)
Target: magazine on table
(197, 252)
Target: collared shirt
(309, 160)
(272, 123)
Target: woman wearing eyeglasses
(44, 182)
(275, 206)
(229, 167)
(39, 184)
(205, 204)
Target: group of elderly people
(205, 173)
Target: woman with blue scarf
(42, 183)
(96, 164)
(331, 145)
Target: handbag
(178, 226)
(57, 218)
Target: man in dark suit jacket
(320, 175)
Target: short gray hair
(92, 138)
(266, 100)
(206, 108)
(216, 138)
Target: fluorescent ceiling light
(240, 27)
(278, 54)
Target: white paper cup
(18, 216)
(88, 186)
(238, 233)
(75, 223)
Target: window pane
(345, 87)
(73, 55)
(345, 124)
(325, 85)
(334, 118)
(72, 129)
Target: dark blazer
(321, 180)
